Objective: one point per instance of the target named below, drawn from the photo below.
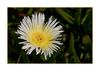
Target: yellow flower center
(40, 38)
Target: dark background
(77, 36)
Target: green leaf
(81, 56)
(79, 16)
(24, 57)
(42, 57)
(86, 15)
(41, 9)
(72, 49)
(65, 15)
(19, 9)
(86, 39)
(30, 11)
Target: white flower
(40, 36)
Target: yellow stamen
(40, 38)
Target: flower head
(44, 37)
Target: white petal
(43, 18)
(49, 54)
(21, 33)
(23, 27)
(42, 51)
(26, 47)
(22, 37)
(33, 23)
(56, 35)
(24, 23)
(53, 23)
(56, 46)
(29, 23)
(45, 55)
(35, 19)
(58, 27)
(50, 20)
(57, 42)
(30, 50)
(53, 48)
(38, 51)
(24, 43)
(47, 25)
(53, 26)
(39, 18)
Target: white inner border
(4, 4)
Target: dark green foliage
(77, 36)
(72, 49)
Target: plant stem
(18, 58)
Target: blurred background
(77, 36)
